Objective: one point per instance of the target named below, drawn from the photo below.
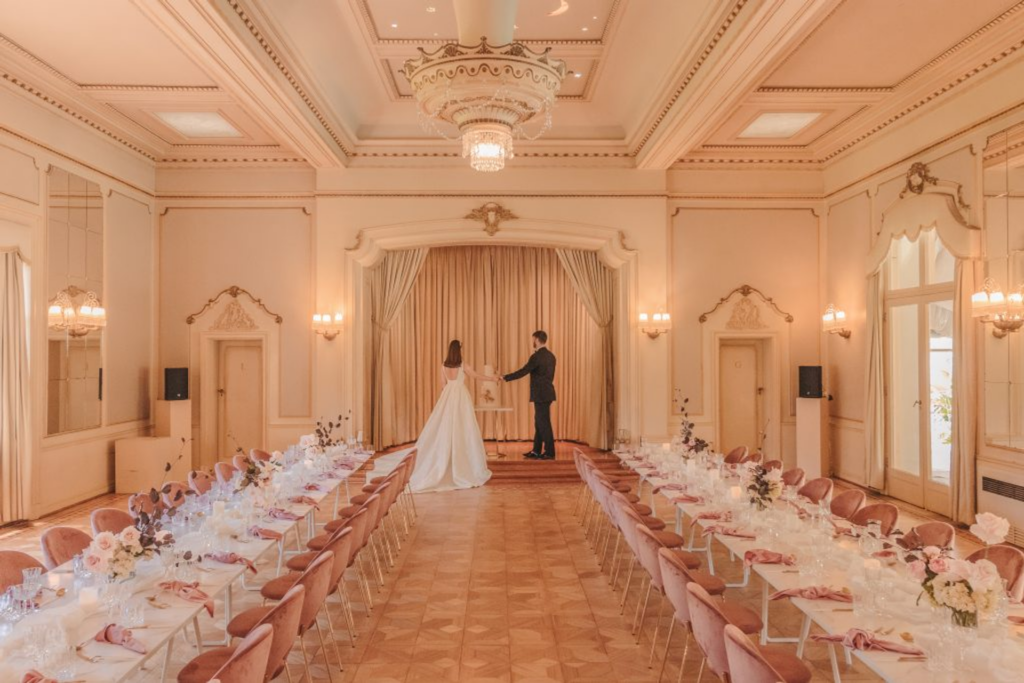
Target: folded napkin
(227, 557)
(763, 556)
(1017, 621)
(119, 635)
(312, 487)
(712, 515)
(278, 513)
(859, 639)
(652, 473)
(670, 487)
(687, 499)
(813, 593)
(190, 592)
(887, 556)
(34, 676)
(728, 531)
(303, 500)
(265, 534)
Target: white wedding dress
(450, 450)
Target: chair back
(241, 462)
(708, 624)
(377, 511)
(174, 494)
(773, 465)
(61, 543)
(817, 490)
(141, 502)
(12, 562)
(628, 520)
(736, 455)
(1009, 562)
(746, 663)
(284, 617)
(200, 481)
(224, 471)
(886, 514)
(341, 546)
(317, 581)
(938, 534)
(359, 524)
(847, 503)
(110, 519)
(754, 457)
(674, 577)
(248, 662)
(649, 548)
(794, 477)
(259, 454)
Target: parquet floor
(494, 584)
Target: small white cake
(488, 389)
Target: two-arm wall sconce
(329, 327)
(655, 325)
(834, 322)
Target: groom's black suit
(541, 369)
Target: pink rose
(95, 563)
(938, 565)
(917, 570)
(104, 544)
(991, 529)
(931, 551)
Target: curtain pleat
(14, 385)
(493, 299)
(965, 392)
(874, 423)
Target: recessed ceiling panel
(778, 125)
(199, 124)
(822, 120)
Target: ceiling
(652, 83)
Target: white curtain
(874, 423)
(14, 389)
(965, 391)
(595, 285)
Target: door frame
(770, 372)
(759, 380)
(221, 347)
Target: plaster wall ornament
(745, 316)
(491, 215)
(234, 292)
(234, 318)
(745, 291)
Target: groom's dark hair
(541, 336)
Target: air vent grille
(1003, 488)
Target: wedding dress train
(450, 450)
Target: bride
(451, 452)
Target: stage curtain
(391, 281)
(965, 392)
(595, 284)
(874, 427)
(14, 383)
(492, 299)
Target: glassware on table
(32, 577)
(133, 614)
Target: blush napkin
(265, 534)
(311, 487)
(813, 593)
(34, 676)
(669, 487)
(712, 515)
(687, 499)
(304, 500)
(227, 557)
(119, 635)
(763, 556)
(190, 592)
(278, 513)
(859, 639)
(728, 531)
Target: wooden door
(739, 395)
(240, 418)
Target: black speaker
(175, 384)
(810, 381)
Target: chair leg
(323, 649)
(657, 628)
(638, 625)
(668, 644)
(686, 651)
(305, 658)
(625, 589)
(614, 563)
(700, 672)
(334, 638)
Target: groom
(541, 369)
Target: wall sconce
(76, 311)
(834, 322)
(655, 325)
(1005, 312)
(327, 326)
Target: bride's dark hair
(454, 358)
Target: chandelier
(76, 311)
(1004, 311)
(485, 94)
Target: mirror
(1004, 249)
(74, 351)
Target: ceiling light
(394, 25)
(779, 124)
(199, 124)
(431, 9)
(584, 29)
(577, 75)
(563, 7)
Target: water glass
(133, 615)
(32, 577)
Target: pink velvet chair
(754, 457)
(61, 543)
(736, 455)
(1009, 562)
(110, 519)
(224, 471)
(708, 625)
(241, 462)
(773, 465)
(847, 503)
(749, 663)
(200, 481)
(816, 490)
(886, 514)
(12, 562)
(938, 534)
(175, 494)
(259, 454)
(794, 477)
(284, 616)
(246, 663)
(142, 502)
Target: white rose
(104, 544)
(991, 529)
(131, 537)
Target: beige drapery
(965, 393)
(874, 424)
(14, 384)
(595, 285)
(492, 299)
(390, 284)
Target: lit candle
(89, 597)
(872, 569)
(735, 493)
(666, 447)
(53, 580)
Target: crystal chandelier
(1004, 311)
(76, 311)
(485, 94)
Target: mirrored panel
(76, 316)
(1004, 245)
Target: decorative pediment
(229, 317)
(746, 314)
(234, 318)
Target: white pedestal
(811, 445)
(140, 461)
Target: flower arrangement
(762, 486)
(991, 529)
(257, 474)
(969, 590)
(116, 555)
(692, 445)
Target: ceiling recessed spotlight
(779, 124)
(584, 29)
(594, 18)
(431, 9)
(577, 74)
(435, 34)
(394, 24)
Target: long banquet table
(113, 663)
(996, 656)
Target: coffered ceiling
(652, 83)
